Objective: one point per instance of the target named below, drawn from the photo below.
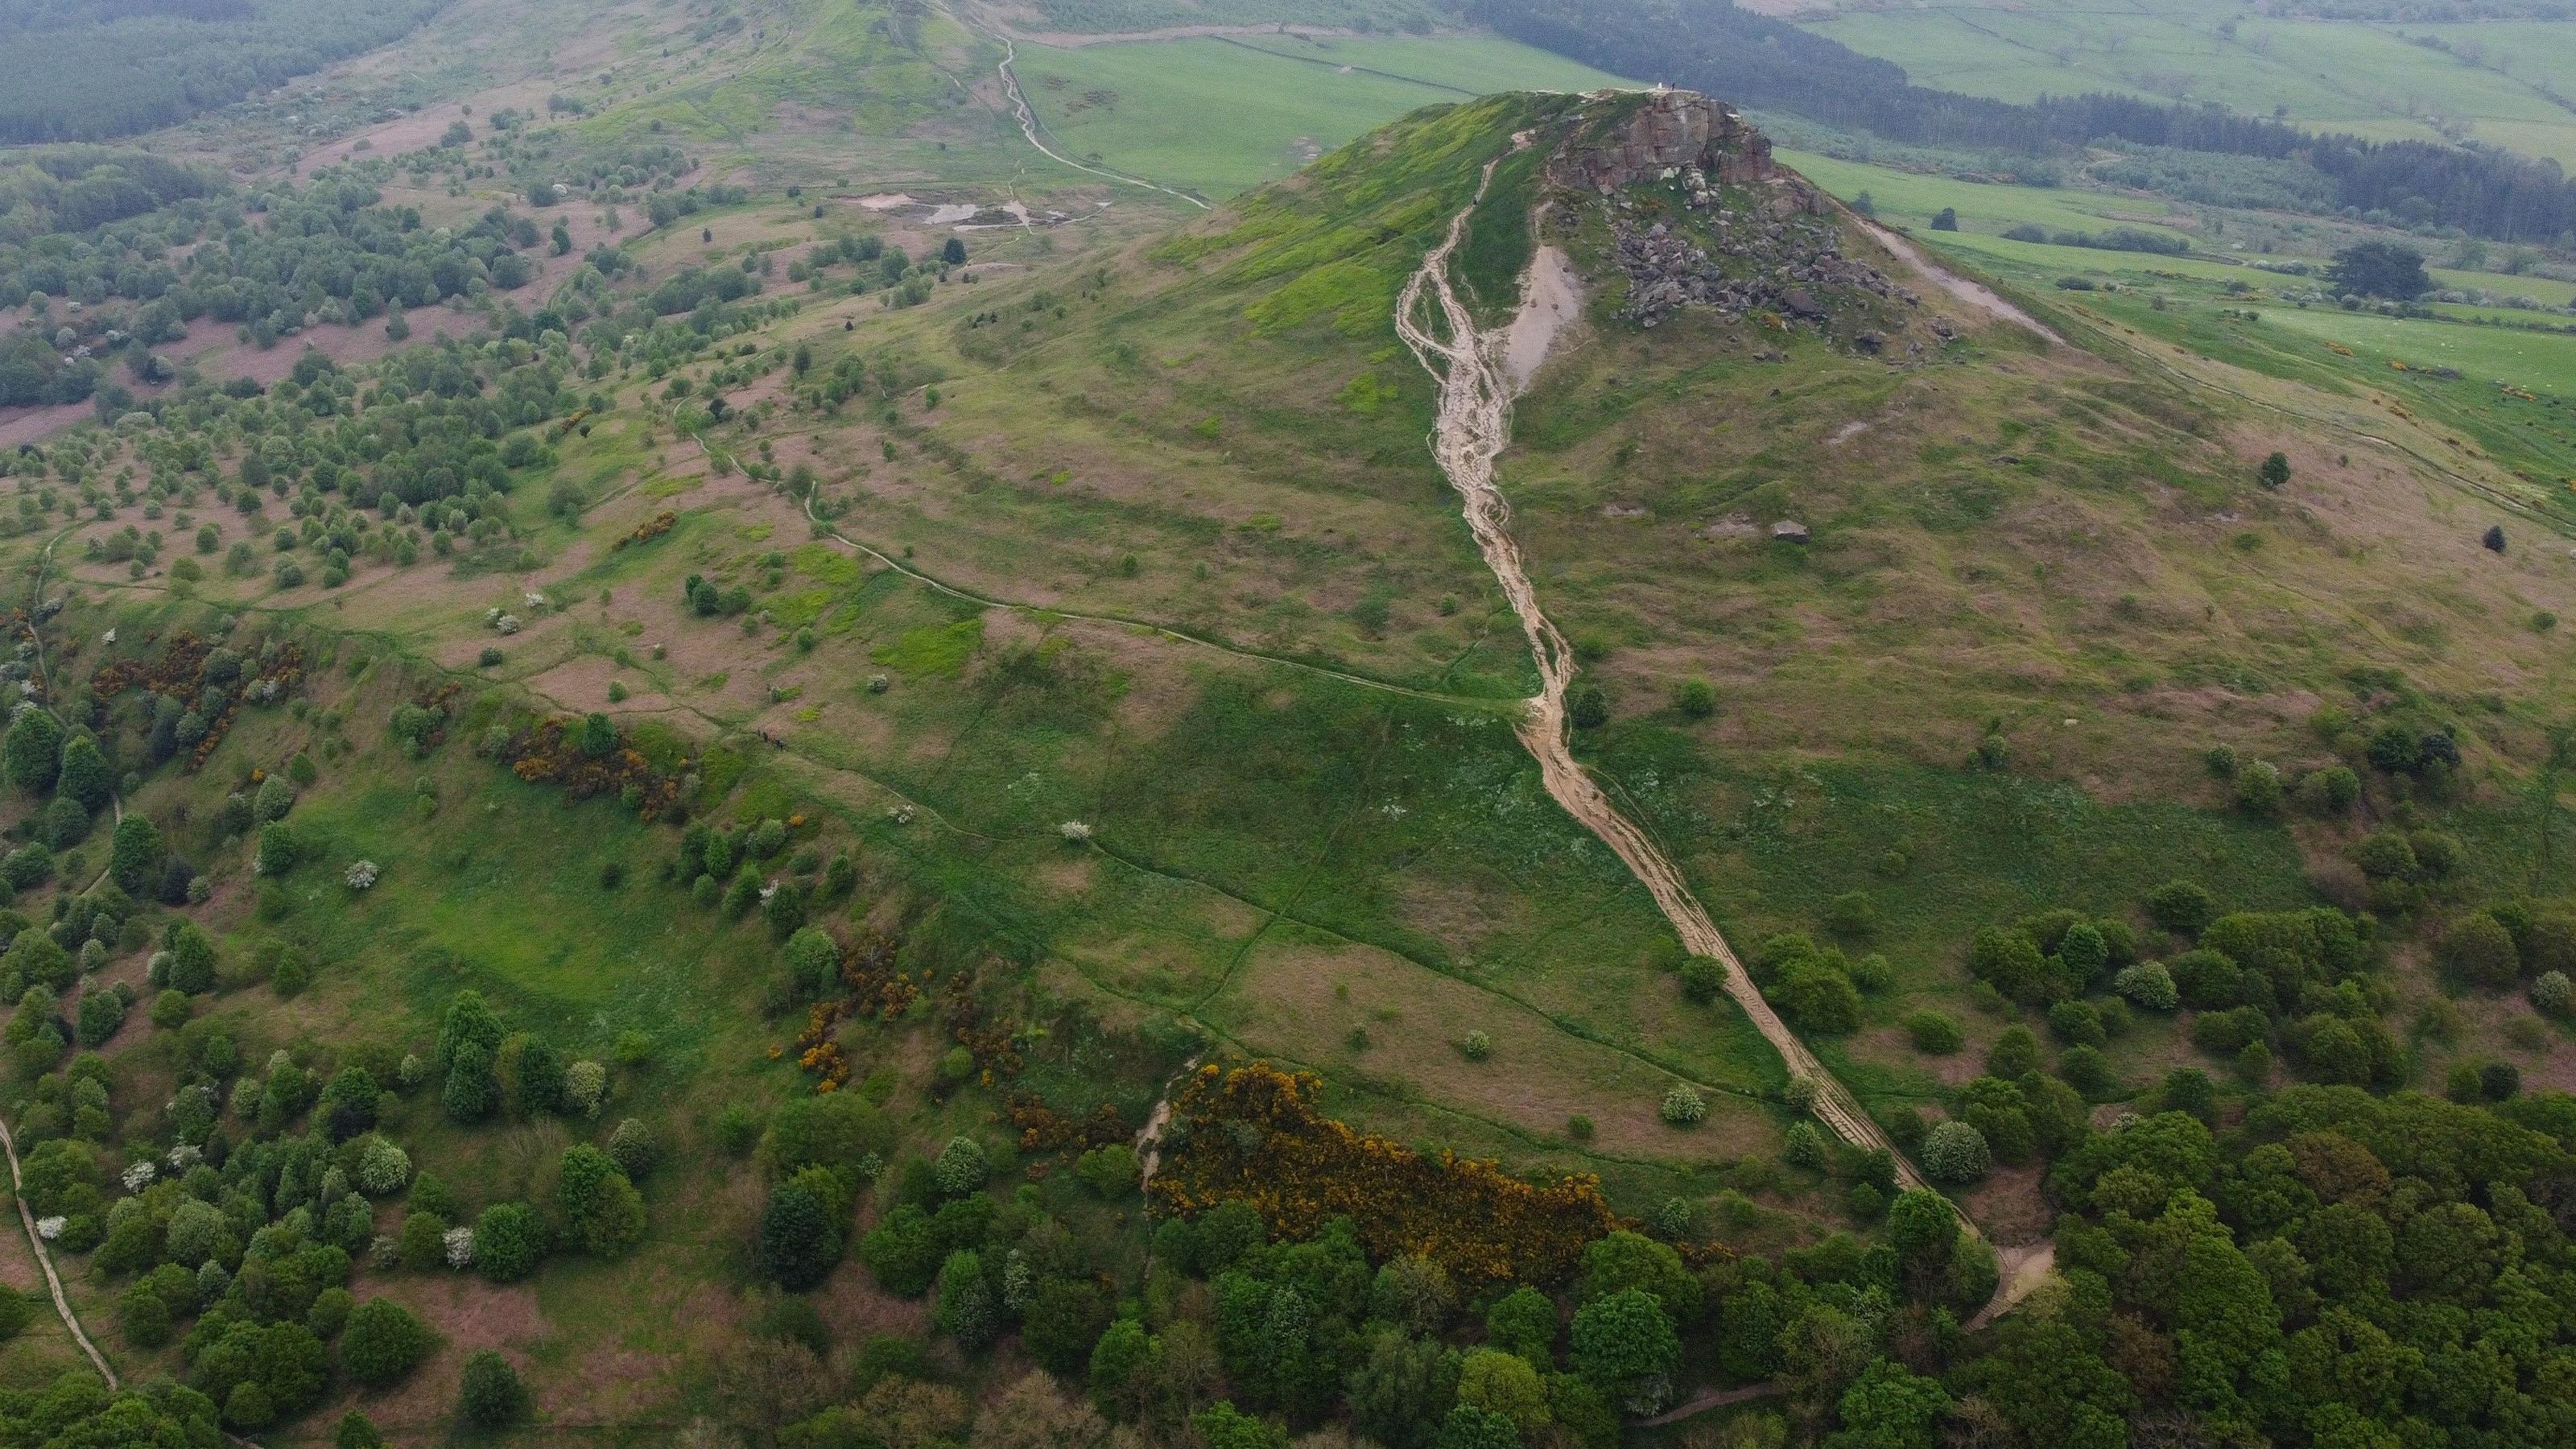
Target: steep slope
(2020, 554)
(1119, 618)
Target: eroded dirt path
(1473, 427)
(45, 1260)
(9, 1143)
(2019, 1272)
(1985, 299)
(1149, 1139)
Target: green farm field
(2487, 345)
(1913, 199)
(1220, 115)
(2371, 80)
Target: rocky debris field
(1782, 255)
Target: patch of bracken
(1254, 1135)
(548, 752)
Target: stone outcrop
(1701, 216)
(1746, 264)
(1668, 132)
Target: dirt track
(1983, 298)
(1034, 133)
(1473, 427)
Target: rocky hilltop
(1697, 214)
(1671, 131)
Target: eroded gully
(1473, 426)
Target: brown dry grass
(1303, 999)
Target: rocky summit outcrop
(1794, 268)
(1699, 215)
(1662, 134)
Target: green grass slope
(1105, 609)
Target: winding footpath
(1472, 429)
(8, 1141)
(45, 1260)
(1023, 113)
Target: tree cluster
(86, 69)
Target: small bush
(1683, 1105)
(1476, 1046)
(2181, 906)
(2258, 789)
(1852, 915)
(962, 1167)
(2550, 993)
(1703, 977)
(1934, 1034)
(1110, 1171)
(738, 1128)
(1955, 1152)
(382, 1342)
(489, 1395)
(2076, 1022)
(2148, 986)
(2086, 1070)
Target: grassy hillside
(1078, 636)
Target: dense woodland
(1753, 60)
(74, 188)
(83, 70)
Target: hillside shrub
(1956, 1153)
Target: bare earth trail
(1479, 373)
(1027, 117)
(45, 1260)
(1473, 427)
(8, 1142)
(1984, 299)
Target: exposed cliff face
(1669, 131)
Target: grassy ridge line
(832, 533)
